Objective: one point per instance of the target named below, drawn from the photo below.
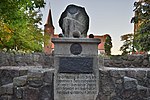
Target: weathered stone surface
(23, 72)
(129, 61)
(31, 94)
(35, 59)
(131, 73)
(119, 89)
(142, 92)
(145, 62)
(141, 74)
(148, 74)
(19, 92)
(131, 58)
(111, 87)
(74, 20)
(125, 88)
(48, 76)
(129, 95)
(130, 83)
(126, 64)
(141, 77)
(119, 74)
(111, 82)
(118, 61)
(35, 77)
(6, 97)
(46, 93)
(115, 98)
(7, 75)
(34, 90)
(20, 81)
(6, 89)
(101, 96)
(147, 82)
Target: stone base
(76, 68)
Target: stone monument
(74, 20)
(75, 58)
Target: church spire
(49, 19)
(48, 33)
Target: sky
(106, 17)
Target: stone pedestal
(76, 68)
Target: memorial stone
(74, 21)
(75, 59)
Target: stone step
(7, 73)
(37, 76)
(37, 79)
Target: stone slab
(76, 40)
(63, 46)
(75, 65)
(75, 86)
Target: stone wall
(7, 73)
(32, 83)
(41, 59)
(129, 61)
(36, 84)
(32, 59)
(124, 84)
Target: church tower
(48, 34)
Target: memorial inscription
(75, 65)
(76, 84)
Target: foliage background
(19, 20)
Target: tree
(108, 45)
(127, 46)
(142, 17)
(143, 39)
(19, 20)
